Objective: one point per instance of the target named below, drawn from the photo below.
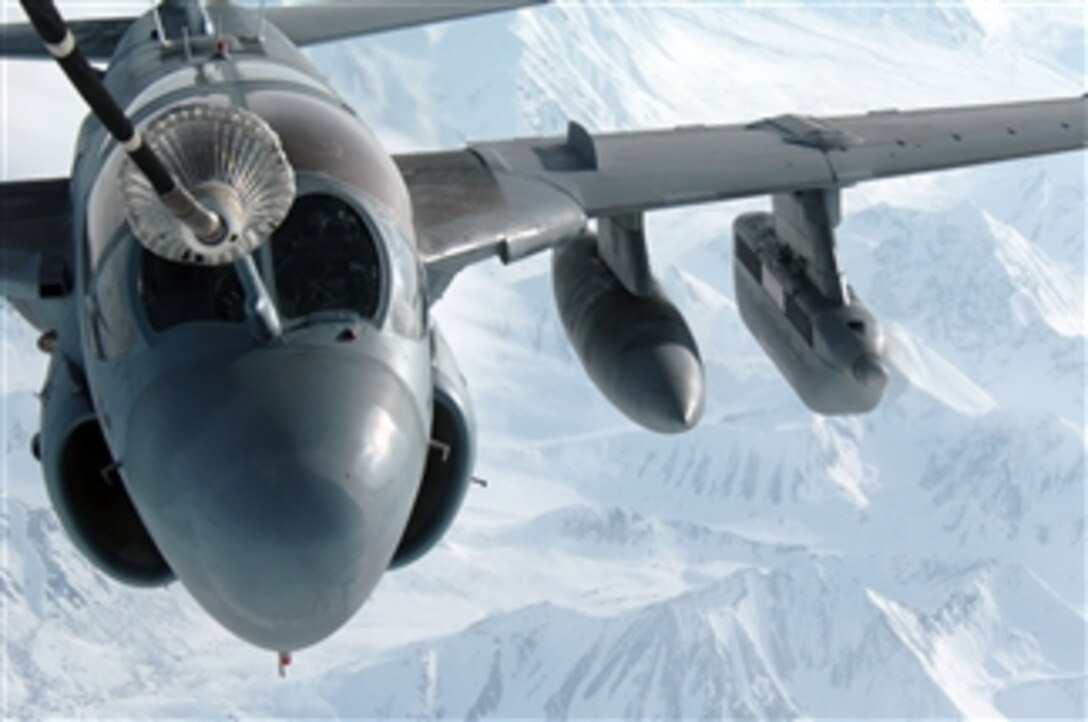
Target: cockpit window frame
(119, 255)
(141, 299)
(317, 184)
(377, 223)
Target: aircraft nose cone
(282, 553)
(277, 487)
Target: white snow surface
(926, 560)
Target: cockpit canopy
(322, 258)
(344, 247)
(329, 258)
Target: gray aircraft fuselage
(274, 468)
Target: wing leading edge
(96, 38)
(304, 25)
(511, 198)
(324, 23)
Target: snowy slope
(802, 639)
(925, 560)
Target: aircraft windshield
(324, 258)
(174, 293)
(327, 256)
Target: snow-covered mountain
(925, 560)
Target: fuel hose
(62, 45)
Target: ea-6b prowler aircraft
(246, 391)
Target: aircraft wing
(96, 38)
(35, 239)
(512, 198)
(323, 23)
(304, 25)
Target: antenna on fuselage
(160, 29)
(261, 21)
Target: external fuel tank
(638, 350)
